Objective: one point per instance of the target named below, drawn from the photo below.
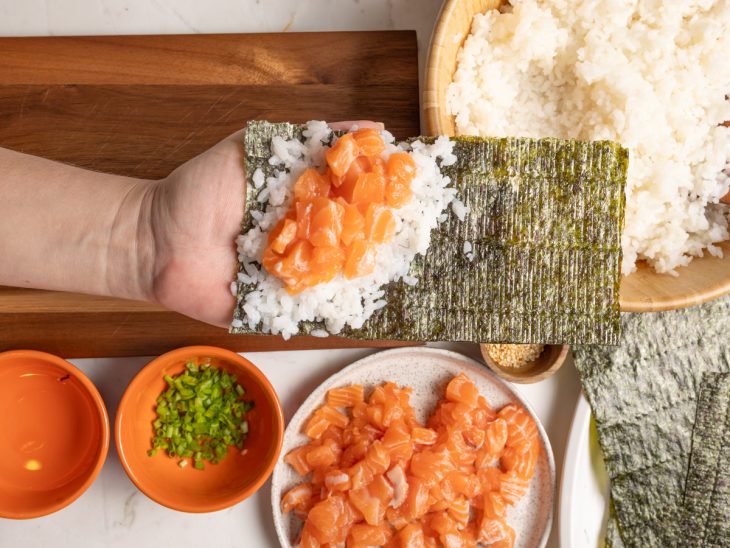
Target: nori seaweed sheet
(643, 396)
(545, 225)
(706, 517)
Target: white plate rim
(471, 364)
(574, 452)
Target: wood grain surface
(142, 105)
(704, 279)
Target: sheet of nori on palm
(706, 511)
(545, 220)
(643, 396)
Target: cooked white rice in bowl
(652, 75)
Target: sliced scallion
(200, 415)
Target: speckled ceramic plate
(426, 370)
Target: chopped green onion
(200, 415)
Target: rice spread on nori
(643, 394)
(543, 222)
(706, 514)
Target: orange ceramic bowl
(54, 433)
(218, 486)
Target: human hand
(195, 215)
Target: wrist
(130, 257)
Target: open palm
(196, 215)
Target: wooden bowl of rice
(645, 290)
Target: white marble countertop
(113, 513)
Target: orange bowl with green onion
(199, 429)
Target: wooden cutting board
(142, 105)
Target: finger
(344, 126)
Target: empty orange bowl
(218, 486)
(55, 433)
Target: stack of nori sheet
(706, 511)
(545, 220)
(644, 398)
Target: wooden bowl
(547, 363)
(704, 279)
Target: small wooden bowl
(705, 278)
(546, 364)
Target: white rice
(652, 75)
(269, 307)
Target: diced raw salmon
(369, 141)
(474, 437)
(493, 505)
(397, 477)
(378, 457)
(327, 518)
(496, 532)
(370, 506)
(310, 185)
(368, 189)
(464, 484)
(431, 465)
(401, 166)
(521, 428)
(337, 480)
(379, 477)
(320, 457)
(346, 183)
(325, 228)
(482, 414)
(460, 389)
(298, 498)
(354, 452)
(417, 500)
(397, 193)
(322, 419)
(379, 223)
(374, 415)
(411, 536)
(490, 479)
(423, 436)
(443, 524)
(361, 474)
(360, 259)
(296, 458)
(308, 538)
(353, 224)
(382, 489)
(271, 261)
(512, 487)
(342, 154)
(304, 219)
(334, 433)
(521, 460)
(362, 535)
(459, 509)
(347, 396)
(397, 440)
(327, 262)
(494, 442)
(282, 235)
